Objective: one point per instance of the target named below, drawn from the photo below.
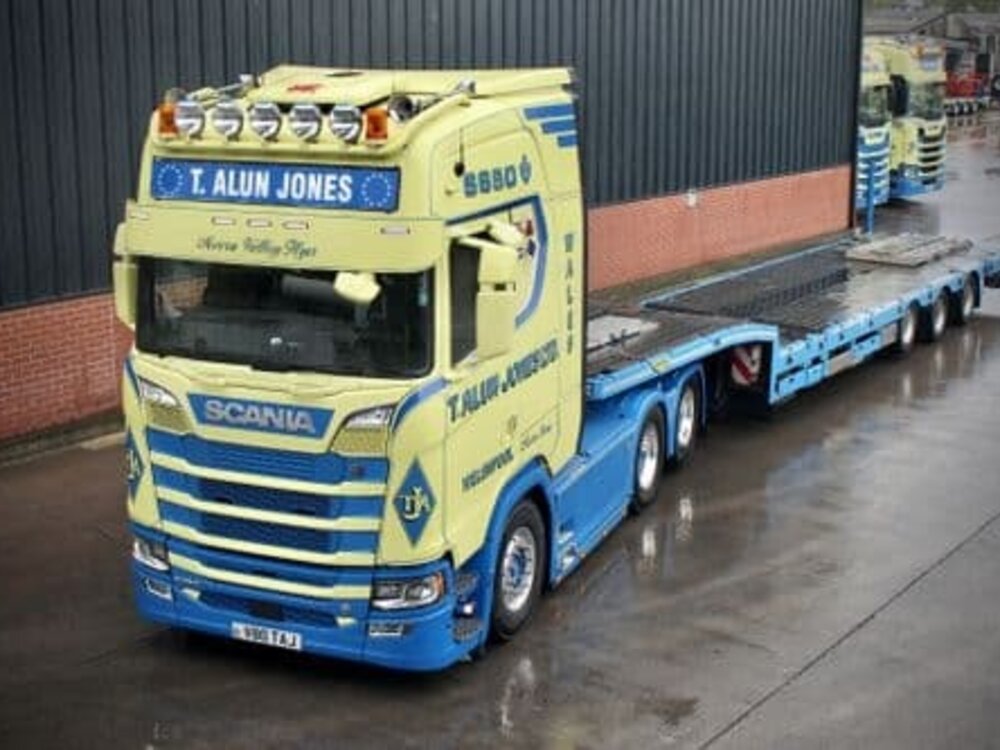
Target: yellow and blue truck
(873, 130)
(919, 125)
(368, 411)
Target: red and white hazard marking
(746, 361)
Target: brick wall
(61, 362)
(632, 241)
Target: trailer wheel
(686, 422)
(935, 319)
(964, 303)
(520, 572)
(907, 333)
(648, 461)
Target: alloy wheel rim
(518, 570)
(909, 328)
(649, 457)
(686, 419)
(939, 317)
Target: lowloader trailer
(369, 414)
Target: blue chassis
(584, 502)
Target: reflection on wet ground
(765, 566)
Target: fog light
(158, 589)
(387, 629)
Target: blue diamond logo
(414, 502)
(133, 465)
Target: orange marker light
(376, 124)
(166, 120)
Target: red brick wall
(59, 363)
(636, 240)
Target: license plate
(267, 636)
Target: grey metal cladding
(674, 94)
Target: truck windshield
(927, 101)
(873, 111)
(284, 319)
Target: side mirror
(125, 277)
(496, 301)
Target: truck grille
(930, 154)
(208, 517)
(266, 533)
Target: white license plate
(267, 636)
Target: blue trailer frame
(858, 304)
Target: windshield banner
(308, 186)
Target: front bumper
(421, 639)
(903, 185)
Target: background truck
(873, 129)
(967, 89)
(369, 413)
(919, 125)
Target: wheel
(686, 423)
(520, 572)
(648, 461)
(907, 333)
(963, 304)
(935, 319)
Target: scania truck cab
(919, 125)
(368, 414)
(331, 276)
(873, 129)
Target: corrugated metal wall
(675, 93)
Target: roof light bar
(265, 120)
(345, 122)
(227, 119)
(189, 116)
(305, 121)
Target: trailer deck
(819, 310)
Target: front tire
(520, 573)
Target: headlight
(370, 419)
(152, 554)
(227, 119)
(305, 120)
(189, 116)
(345, 122)
(265, 120)
(417, 592)
(151, 393)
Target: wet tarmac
(829, 577)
